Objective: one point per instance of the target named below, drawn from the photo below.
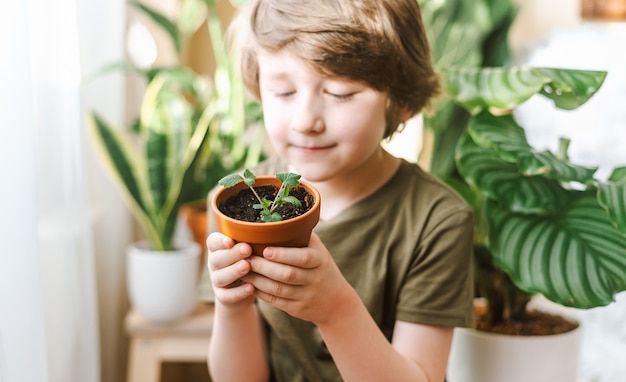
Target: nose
(307, 115)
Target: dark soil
(239, 206)
(534, 323)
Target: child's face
(323, 127)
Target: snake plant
(542, 224)
(189, 134)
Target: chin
(312, 173)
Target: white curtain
(49, 288)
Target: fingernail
(268, 253)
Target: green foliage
(267, 208)
(190, 131)
(542, 224)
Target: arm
(236, 348)
(362, 353)
(306, 283)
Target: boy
(387, 274)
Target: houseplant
(479, 96)
(266, 227)
(543, 225)
(190, 132)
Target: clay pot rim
(271, 179)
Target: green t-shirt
(406, 249)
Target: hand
(304, 282)
(228, 263)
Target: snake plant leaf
(191, 15)
(166, 126)
(186, 79)
(229, 86)
(576, 258)
(128, 170)
(123, 66)
(500, 180)
(477, 89)
(238, 3)
(161, 20)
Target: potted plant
(278, 210)
(543, 225)
(190, 133)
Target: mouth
(312, 149)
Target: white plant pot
(485, 357)
(162, 286)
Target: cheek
(275, 121)
(365, 123)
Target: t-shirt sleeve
(438, 288)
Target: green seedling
(267, 207)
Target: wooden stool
(186, 340)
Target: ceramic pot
(294, 232)
(488, 357)
(162, 285)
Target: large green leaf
(612, 196)
(500, 180)
(478, 89)
(507, 138)
(456, 30)
(575, 258)
(571, 88)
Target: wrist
(346, 305)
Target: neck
(343, 191)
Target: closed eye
(342, 97)
(284, 94)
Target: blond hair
(378, 42)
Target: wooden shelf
(151, 344)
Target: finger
(222, 258)
(305, 257)
(228, 276)
(235, 294)
(297, 257)
(283, 273)
(267, 287)
(216, 241)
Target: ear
(404, 115)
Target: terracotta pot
(294, 232)
(195, 216)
